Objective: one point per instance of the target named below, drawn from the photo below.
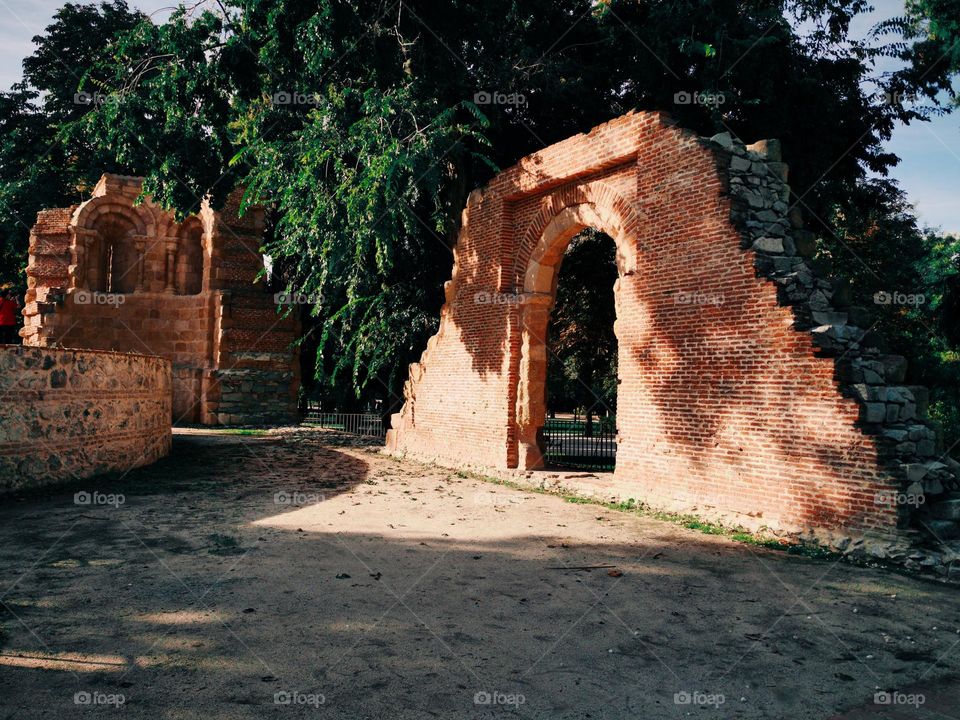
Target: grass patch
(691, 522)
(241, 431)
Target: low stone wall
(70, 414)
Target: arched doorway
(580, 430)
(113, 263)
(728, 402)
(539, 291)
(190, 259)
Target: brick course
(111, 274)
(735, 400)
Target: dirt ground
(295, 575)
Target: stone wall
(115, 274)
(70, 414)
(744, 394)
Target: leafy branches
(356, 124)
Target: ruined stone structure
(111, 274)
(748, 391)
(70, 414)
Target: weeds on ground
(691, 522)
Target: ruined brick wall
(735, 400)
(71, 414)
(112, 274)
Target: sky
(929, 170)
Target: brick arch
(88, 250)
(745, 394)
(87, 215)
(192, 257)
(610, 208)
(562, 216)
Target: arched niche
(190, 258)
(106, 249)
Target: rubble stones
(893, 412)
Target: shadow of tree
(412, 591)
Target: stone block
(946, 509)
(874, 412)
(768, 245)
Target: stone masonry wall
(894, 415)
(741, 395)
(70, 414)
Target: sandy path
(246, 571)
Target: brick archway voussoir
(594, 205)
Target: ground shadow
(417, 593)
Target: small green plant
(692, 522)
(947, 415)
(579, 500)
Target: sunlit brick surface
(730, 403)
(112, 274)
(70, 414)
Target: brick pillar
(170, 269)
(532, 378)
(86, 275)
(139, 243)
(80, 270)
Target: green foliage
(930, 333)
(366, 171)
(40, 166)
(160, 86)
(581, 345)
(362, 210)
(927, 41)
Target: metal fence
(571, 443)
(365, 424)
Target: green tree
(39, 166)
(362, 126)
(928, 44)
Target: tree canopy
(362, 126)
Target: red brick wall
(193, 300)
(725, 407)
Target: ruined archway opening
(574, 344)
(579, 430)
(112, 264)
(189, 269)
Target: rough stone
(113, 416)
(875, 412)
(768, 244)
(724, 140)
(769, 149)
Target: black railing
(365, 424)
(574, 444)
